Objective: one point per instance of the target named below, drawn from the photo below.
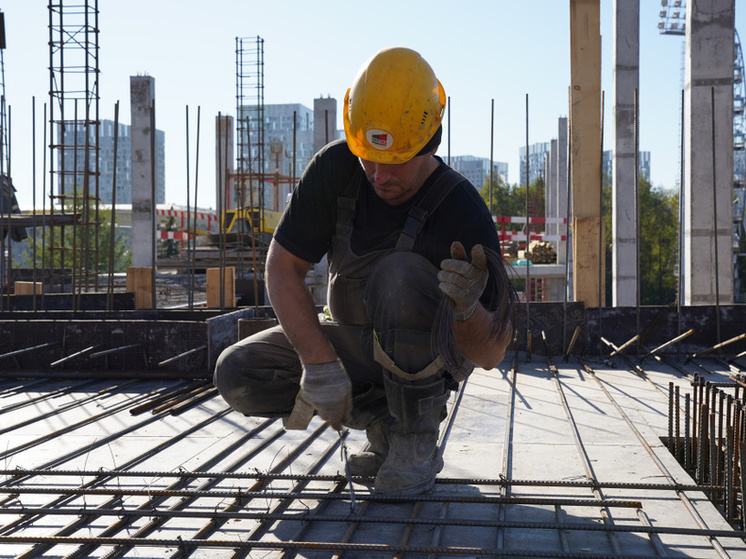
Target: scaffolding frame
(250, 141)
(74, 137)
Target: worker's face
(397, 183)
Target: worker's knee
(403, 285)
(253, 384)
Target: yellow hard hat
(394, 107)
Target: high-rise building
(537, 154)
(288, 132)
(288, 127)
(477, 169)
(106, 165)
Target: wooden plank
(27, 288)
(229, 287)
(585, 269)
(585, 138)
(140, 282)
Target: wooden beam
(140, 282)
(229, 287)
(585, 155)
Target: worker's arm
(294, 306)
(464, 283)
(324, 384)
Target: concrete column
(626, 81)
(142, 95)
(324, 122)
(709, 64)
(550, 188)
(562, 155)
(225, 191)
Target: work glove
(463, 281)
(328, 389)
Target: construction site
(608, 431)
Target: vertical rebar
(196, 185)
(736, 447)
(720, 436)
(112, 230)
(670, 417)
(567, 230)
(189, 229)
(601, 231)
(702, 433)
(221, 215)
(492, 147)
(76, 223)
(637, 213)
(33, 195)
(253, 241)
(687, 440)
(680, 283)
(528, 239)
(449, 131)
(44, 209)
(729, 475)
(742, 449)
(97, 123)
(226, 206)
(677, 422)
(715, 218)
(713, 451)
(695, 417)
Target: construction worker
(417, 292)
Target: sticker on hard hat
(379, 139)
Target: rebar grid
(314, 500)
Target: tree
(84, 241)
(658, 237)
(510, 200)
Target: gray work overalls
(382, 305)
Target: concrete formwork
(708, 164)
(626, 82)
(149, 342)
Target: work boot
(368, 462)
(414, 457)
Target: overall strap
(346, 205)
(419, 213)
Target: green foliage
(658, 238)
(659, 231)
(84, 239)
(510, 200)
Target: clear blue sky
(480, 50)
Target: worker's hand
(328, 389)
(464, 281)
